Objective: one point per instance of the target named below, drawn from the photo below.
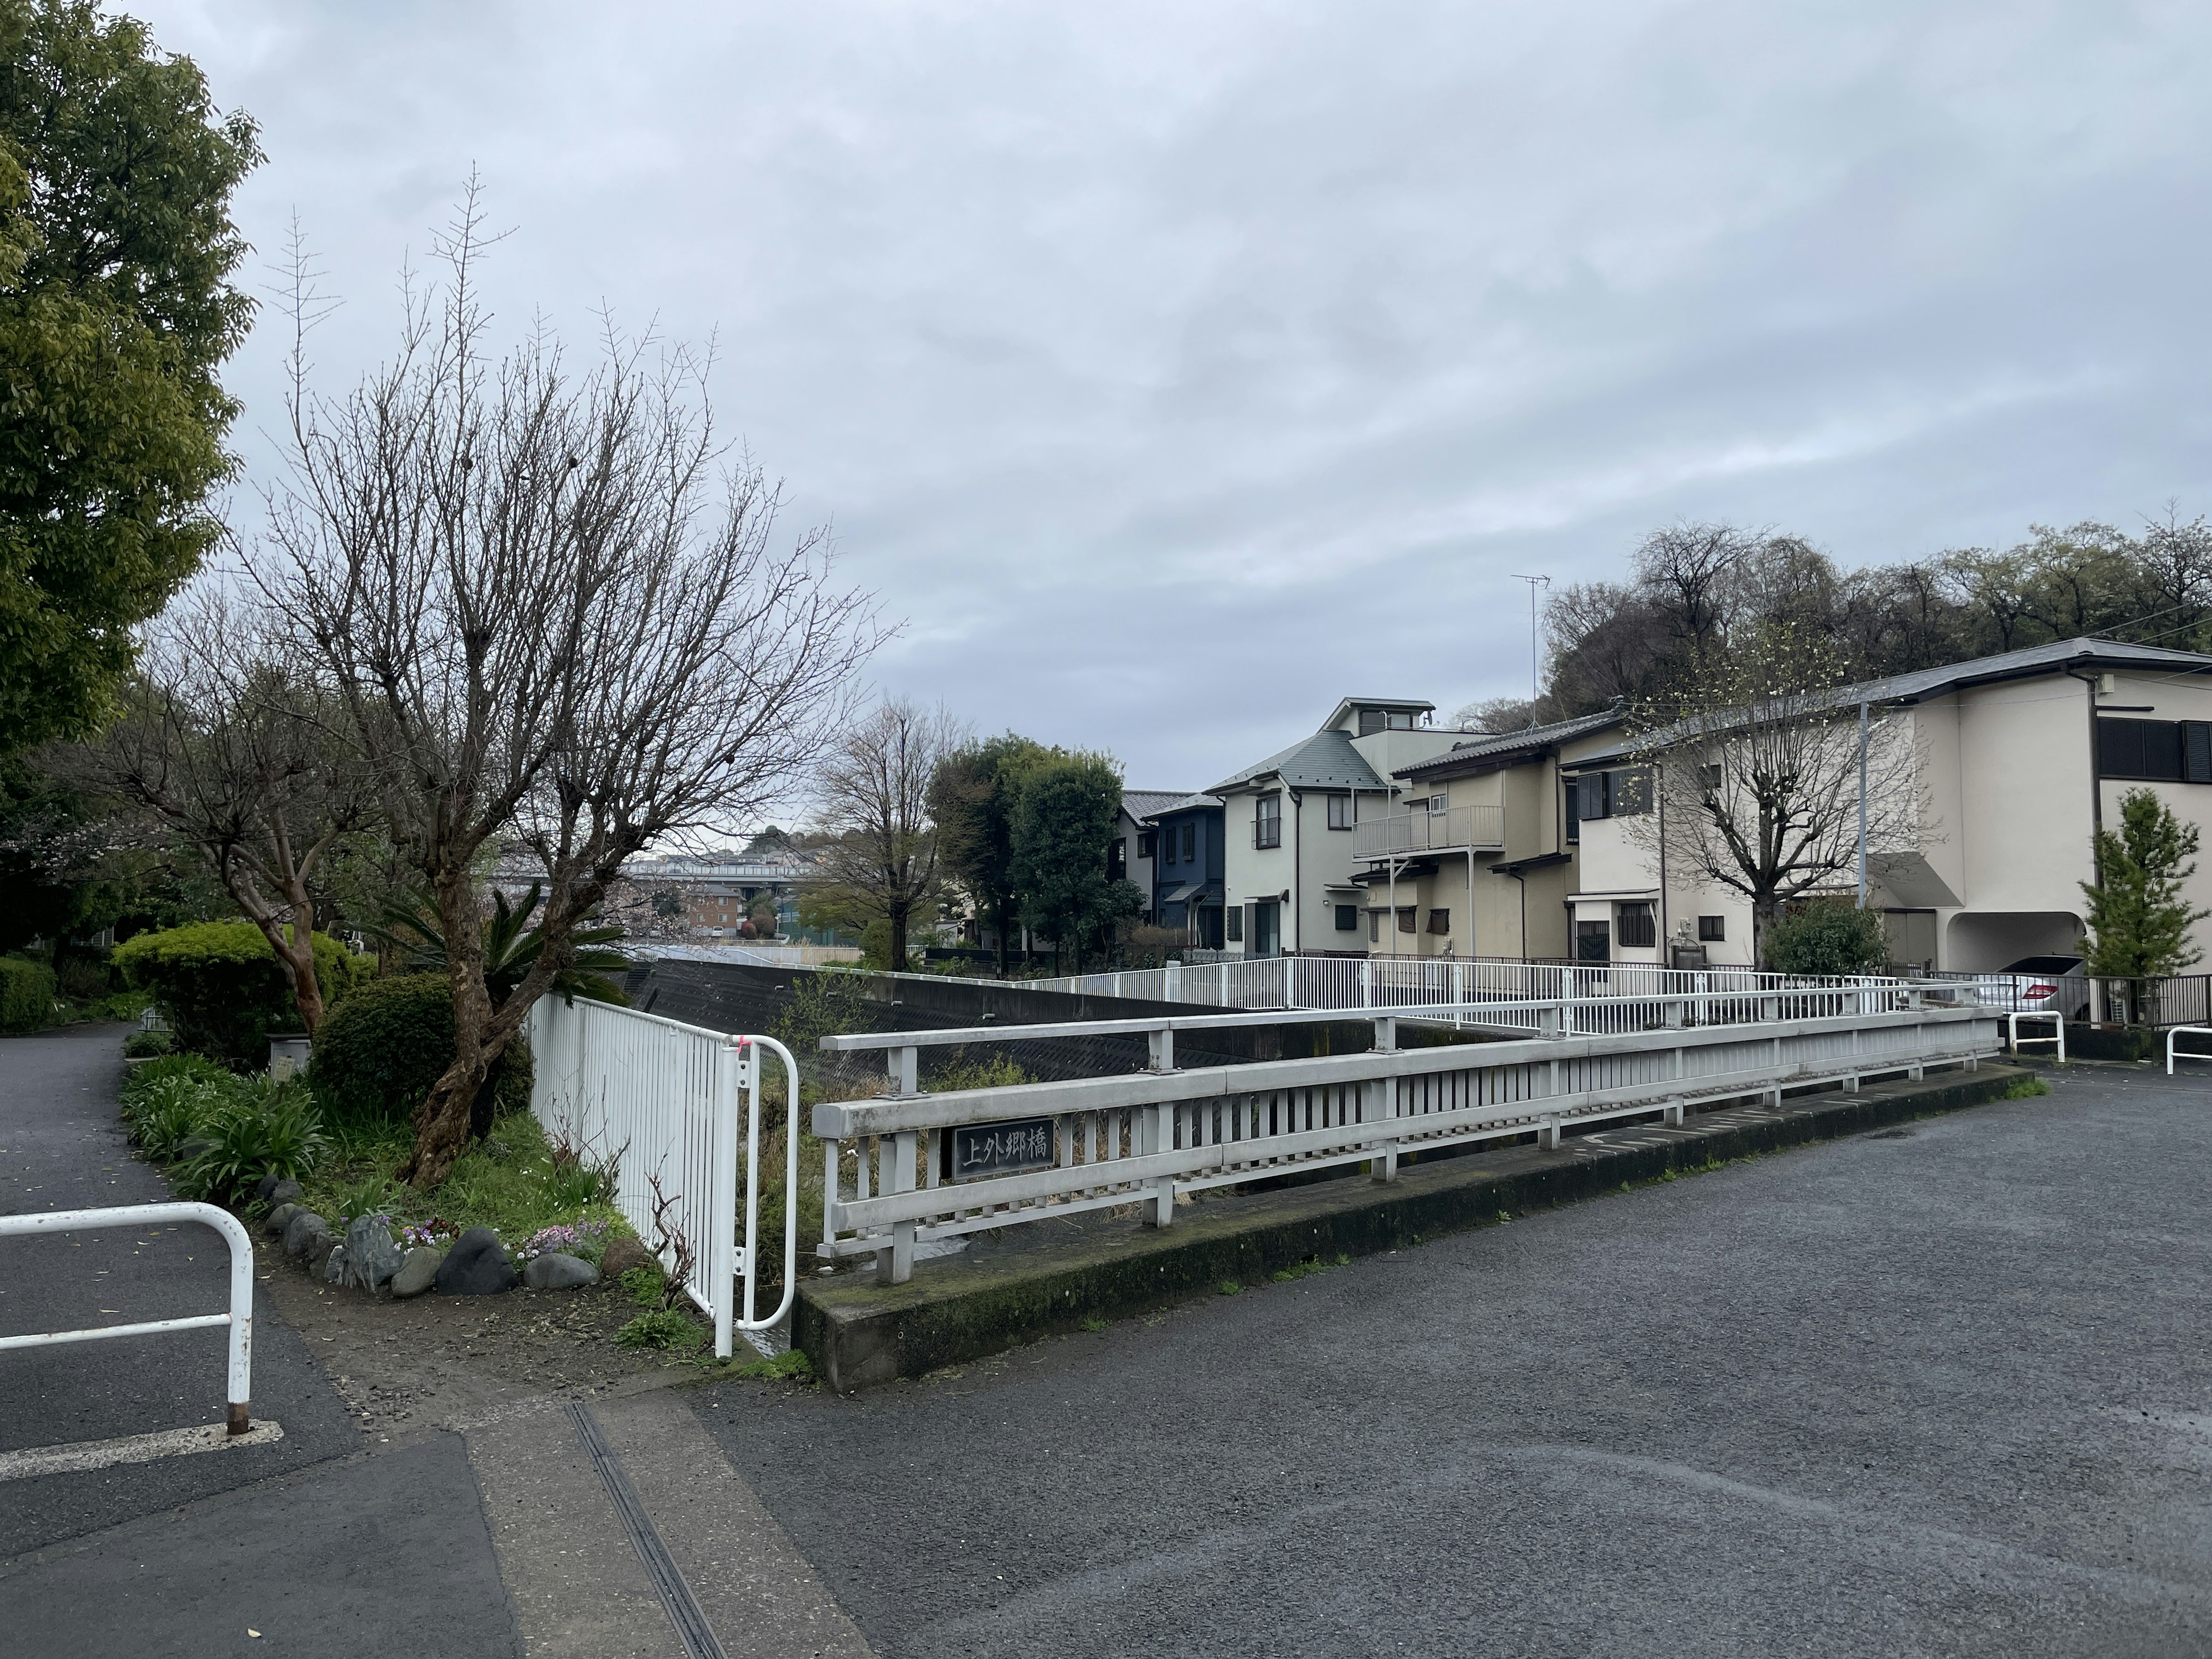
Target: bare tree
(225, 743)
(873, 788)
(553, 609)
(1756, 770)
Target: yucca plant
(411, 926)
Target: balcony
(1454, 829)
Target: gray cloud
(1174, 369)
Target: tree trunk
(897, 915)
(1000, 924)
(442, 1122)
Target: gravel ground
(1937, 1391)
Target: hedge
(381, 1049)
(26, 995)
(223, 989)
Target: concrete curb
(858, 1333)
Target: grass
(2026, 1088)
(665, 1328)
(1229, 1287)
(1094, 1324)
(790, 1366)
(1307, 1268)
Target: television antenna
(1536, 658)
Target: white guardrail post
(741, 1073)
(2173, 1053)
(2057, 1022)
(134, 1216)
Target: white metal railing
(2014, 1040)
(1053, 1149)
(240, 1319)
(1355, 982)
(1424, 830)
(658, 1102)
(2173, 1053)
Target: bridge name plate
(997, 1149)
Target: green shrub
(26, 995)
(268, 1128)
(223, 988)
(146, 1045)
(792, 1365)
(665, 1329)
(1828, 936)
(990, 1071)
(380, 1050)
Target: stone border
(857, 1333)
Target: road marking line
(82, 1455)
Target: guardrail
(658, 1102)
(954, 1163)
(240, 1318)
(2014, 1040)
(2172, 1054)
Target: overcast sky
(1174, 370)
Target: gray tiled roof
(1494, 745)
(1326, 760)
(1181, 804)
(1141, 804)
(2034, 659)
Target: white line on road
(84, 1454)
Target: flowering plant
(435, 1231)
(569, 1238)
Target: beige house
(2017, 758)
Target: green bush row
(382, 1048)
(26, 995)
(224, 1132)
(223, 989)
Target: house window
(1593, 941)
(1144, 842)
(1440, 922)
(2157, 751)
(1372, 720)
(1405, 913)
(1235, 916)
(1118, 860)
(1347, 918)
(1709, 779)
(1625, 792)
(1190, 843)
(1712, 930)
(1267, 821)
(1209, 926)
(1375, 927)
(1638, 927)
(1339, 811)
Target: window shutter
(2197, 752)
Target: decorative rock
(262, 1188)
(623, 1254)
(334, 1266)
(418, 1273)
(371, 1256)
(191, 1147)
(301, 1226)
(285, 1192)
(319, 1246)
(559, 1273)
(280, 1215)
(476, 1266)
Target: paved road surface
(1941, 1390)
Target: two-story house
(1129, 854)
(2016, 759)
(1289, 821)
(1188, 865)
(1476, 858)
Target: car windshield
(2043, 965)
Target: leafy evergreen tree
(116, 309)
(1062, 824)
(2139, 922)
(973, 798)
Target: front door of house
(1267, 928)
(1593, 941)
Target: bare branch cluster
(872, 788)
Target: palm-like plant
(412, 926)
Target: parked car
(2038, 985)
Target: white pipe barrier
(134, 1216)
(658, 1100)
(990, 1158)
(2173, 1053)
(2057, 1023)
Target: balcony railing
(1456, 828)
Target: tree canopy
(2139, 920)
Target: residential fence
(2154, 1002)
(928, 1167)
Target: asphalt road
(310, 1541)
(1940, 1390)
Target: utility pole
(1535, 657)
(1862, 804)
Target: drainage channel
(668, 1583)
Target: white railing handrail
(2172, 1054)
(1424, 829)
(842, 1120)
(134, 1216)
(2057, 1022)
(949, 1036)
